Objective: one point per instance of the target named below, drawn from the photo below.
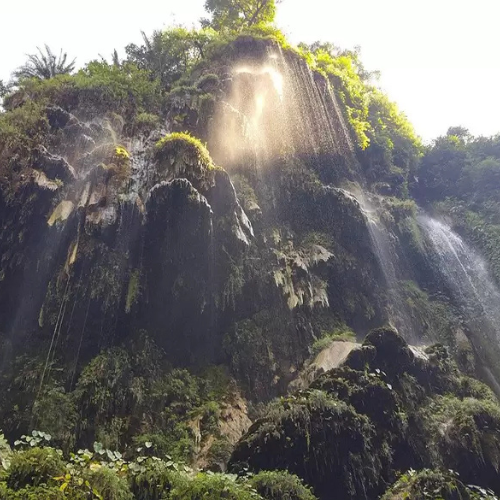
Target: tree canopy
(238, 14)
(170, 54)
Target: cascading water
(466, 275)
(276, 107)
(383, 245)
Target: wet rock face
(178, 260)
(95, 252)
(386, 409)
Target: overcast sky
(438, 58)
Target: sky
(438, 58)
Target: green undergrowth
(435, 484)
(341, 334)
(33, 469)
(124, 397)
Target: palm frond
(45, 65)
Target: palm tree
(45, 65)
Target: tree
(170, 54)
(441, 168)
(239, 14)
(45, 65)
(4, 89)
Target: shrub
(97, 89)
(33, 467)
(109, 484)
(426, 484)
(214, 486)
(280, 485)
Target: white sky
(439, 58)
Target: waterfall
(383, 243)
(276, 107)
(466, 275)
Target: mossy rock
(466, 436)
(321, 439)
(180, 155)
(368, 392)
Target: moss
(146, 122)
(180, 143)
(180, 155)
(466, 434)
(435, 318)
(341, 334)
(133, 291)
(321, 439)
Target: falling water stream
(384, 247)
(466, 275)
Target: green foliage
(21, 130)
(436, 319)
(387, 407)
(394, 148)
(342, 334)
(4, 89)
(183, 144)
(45, 65)
(280, 485)
(97, 89)
(109, 484)
(34, 467)
(213, 486)
(4, 454)
(146, 122)
(171, 54)
(42, 474)
(314, 427)
(465, 432)
(441, 167)
(443, 485)
(54, 410)
(239, 14)
(342, 69)
(389, 147)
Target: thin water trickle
(384, 248)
